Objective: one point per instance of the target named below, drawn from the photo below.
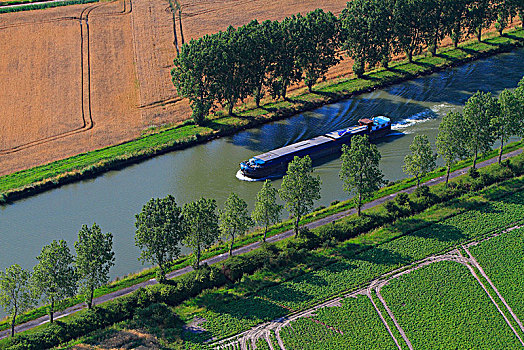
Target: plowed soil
(78, 78)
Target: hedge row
(232, 270)
(44, 5)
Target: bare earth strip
(245, 249)
(275, 326)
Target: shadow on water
(325, 120)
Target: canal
(113, 199)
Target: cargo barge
(274, 163)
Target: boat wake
(242, 177)
(415, 119)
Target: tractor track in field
(85, 82)
(263, 331)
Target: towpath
(247, 248)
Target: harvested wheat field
(78, 78)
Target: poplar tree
(234, 219)
(94, 259)
(360, 169)
(202, 226)
(266, 211)
(160, 229)
(299, 188)
(421, 160)
(54, 275)
(451, 140)
(509, 121)
(478, 112)
(411, 26)
(481, 14)
(15, 294)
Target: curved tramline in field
(325, 326)
(85, 82)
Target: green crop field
(502, 258)
(442, 306)
(357, 323)
(228, 313)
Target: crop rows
(502, 258)
(354, 325)
(442, 306)
(239, 314)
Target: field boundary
(20, 6)
(375, 285)
(35, 180)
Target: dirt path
(454, 255)
(243, 250)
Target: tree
(299, 189)
(411, 26)
(319, 44)
(15, 294)
(234, 219)
(262, 48)
(54, 275)
(266, 211)
(519, 94)
(360, 171)
(202, 225)
(94, 258)
(479, 110)
(159, 231)
(509, 121)
(451, 140)
(480, 15)
(421, 160)
(195, 75)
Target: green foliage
(54, 275)
(94, 258)
(451, 139)
(202, 225)
(479, 110)
(299, 189)
(501, 258)
(422, 160)
(44, 5)
(234, 219)
(360, 171)
(15, 294)
(266, 211)
(442, 306)
(160, 229)
(509, 121)
(353, 325)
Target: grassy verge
(360, 241)
(31, 181)
(29, 6)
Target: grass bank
(256, 235)
(5, 6)
(41, 178)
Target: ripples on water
(209, 170)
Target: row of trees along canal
(223, 68)
(162, 226)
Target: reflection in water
(209, 170)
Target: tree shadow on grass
(381, 256)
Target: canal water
(112, 200)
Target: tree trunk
(13, 321)
(51, 311)
(447, 175)
(418, 181)
(284, 91)
(479, 34)
(310, 87)
(198, 257)
(475, 160)
(230, 109)
(90, 300)
(297, 220)
(501, 147)
(231, 246)
(359, 203)
(265, 233)
(258, 91)
(409, 53)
